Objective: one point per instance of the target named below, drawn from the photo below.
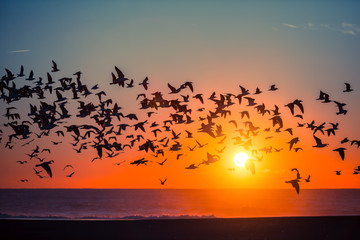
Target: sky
(301, 46)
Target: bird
(293, 141)
(295, 184)
(54, 67)
(162, 163)
(21, 74)
(307, 179)
(145, 83)
(341, 151)
(46, 167)
(338, 172)
(273, 88)
(341, 109)
(21, 162)
(162, 181)
(348, 88)
(297, 173)
(319, 143)
(191, 166)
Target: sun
(240, 159)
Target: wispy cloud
(344, 27)
(20, 51)
(289, 25)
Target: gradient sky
(302, 46)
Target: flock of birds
(112, 131)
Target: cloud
(289, 25)
(344, 27)
(20, 51)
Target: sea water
(175, 203)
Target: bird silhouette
(162, 181)
(46, 167)
(54, 67)
(295, 184)
(348, 88)
(319, 143)
(341, 151)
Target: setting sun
(240, 159)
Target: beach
(329, 227)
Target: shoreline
(323, 227)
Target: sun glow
(240, 159)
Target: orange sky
(217, 47)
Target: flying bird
(46, 167)
(341, 151)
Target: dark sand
(241, 228)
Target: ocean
(175, 203)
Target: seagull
(46, 167)
(341, 151)
(295, 184)
(319, 143)
(293, 141)
(21, 74)
(340, 108)
(54, 67)
(338, 172)
(307, 179)
(162, 163)
(163, 182)
(348, 88)
(31, 76)
(297, 173)
(145, 83)
(273, 88)
(191, 166)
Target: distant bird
(21, 74)
(162, 181)
(307, 179)
(341, 109)
(201, 145)
(273, 88)
(145, 83)
(119, 163)
(21, 162)
(191, 166)
(70, 175)
(338, 172)
(162, 163)
(257, 91)
(298, 149)
(324, 96)
(68, 166)
(37, 172)
(348, 88)
(54, 67)
(341, 151)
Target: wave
(132, 217)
